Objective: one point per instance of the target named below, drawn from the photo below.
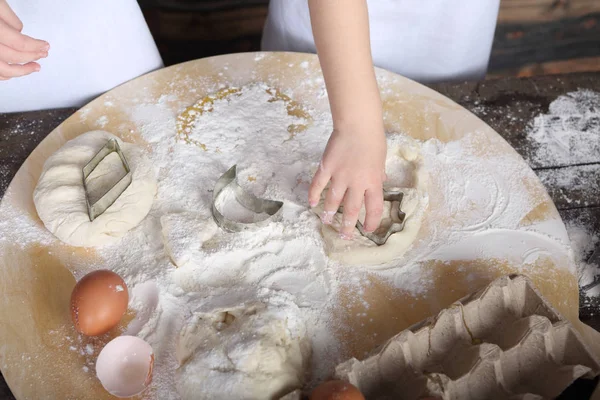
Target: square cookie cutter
(113, 193)
(395, 227)
(246, 200)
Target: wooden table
(507, 105)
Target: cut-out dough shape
(59, 196)
(404, 167)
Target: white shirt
(425, 40)
(95, 45)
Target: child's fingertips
(346, 236)
(327, 217)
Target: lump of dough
(246, 352)
(59, 196)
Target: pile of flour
(569, 133)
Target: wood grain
(522, 43)
(583, 64)
(512, 11)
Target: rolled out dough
(59, 196)
(405, 172)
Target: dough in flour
(405, 171)
(59, 196)
(253, 351)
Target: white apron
(95, 45)
(425, 40)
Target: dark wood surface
(531, 35)
(507, 105)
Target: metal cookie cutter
(112, 194)
(247, 200)
(395, 227)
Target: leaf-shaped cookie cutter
(395, 227)
(113, 193)
(246, 200)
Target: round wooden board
(36, 280)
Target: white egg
(124, 366)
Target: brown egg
(98, 302)
(336, 390)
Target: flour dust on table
(569, 134)
(258, 308)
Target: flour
(177, 264)
(569, 133)
(584, 243)
(573, 187)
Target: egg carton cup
(502, 342)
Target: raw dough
(59, 196)
(405, 171)
(252, 351)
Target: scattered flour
(584, 243)
(569, 133)
(172, 278)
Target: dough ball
(59, 196)
(246, 352)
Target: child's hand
(354, 162)
(17, 51)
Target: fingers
(352, 205)
(15, 70)
(11, 56)
(14, 39)
(334, 197)
(9, 16)
(17, 51)
(320, 180)
(374, 207)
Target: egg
(336, 390)
(98, 302)
(124, 366)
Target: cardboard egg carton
(502, 342)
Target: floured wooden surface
(364, 318)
